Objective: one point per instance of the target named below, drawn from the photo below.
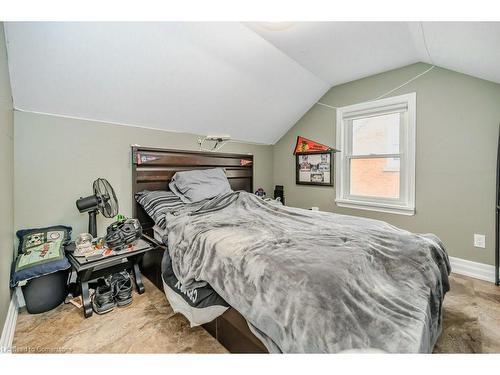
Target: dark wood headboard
(152, 169)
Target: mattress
(199, 305)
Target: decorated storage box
(41, 267)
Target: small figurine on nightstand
(260, 193)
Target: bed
(304, 281)
(152, 169)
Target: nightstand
(90, 269)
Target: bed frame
(152, 169)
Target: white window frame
(405, 205)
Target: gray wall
(57, 159)
(458, 119)
(6, 180)
(457, 129)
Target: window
(375, 169)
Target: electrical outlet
(479, 240)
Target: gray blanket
(314, 282)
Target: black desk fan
(104, 201)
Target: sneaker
(102, 300)
(121, 284)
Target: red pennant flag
(245, 162)
(305, 145)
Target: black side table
(90, 269)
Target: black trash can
(46, 292)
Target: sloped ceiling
(468, 47)
(339, 52)
(252, 81)
(202, 78)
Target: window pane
(375, 177)
(376, 135)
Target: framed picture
(314, 168)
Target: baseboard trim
(9, 326)
(480, 271)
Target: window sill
(379, 207)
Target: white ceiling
(468, 47)
(340, 52)
(201, 78)
(252, 81)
